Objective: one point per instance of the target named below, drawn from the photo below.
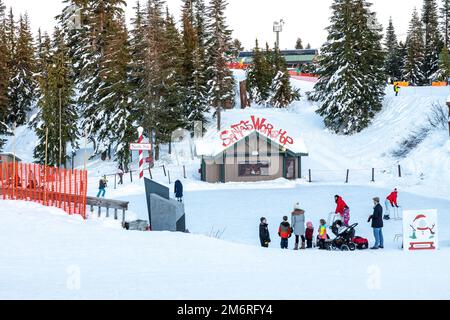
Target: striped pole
(141, 153)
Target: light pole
(277, 28)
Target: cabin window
(247, 169)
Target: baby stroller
(344, 240)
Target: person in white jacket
(298, 225)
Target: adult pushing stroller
(344, 239)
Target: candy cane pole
(141, 153)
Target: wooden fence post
(131, 175)
(399, 171)
(164, 169)
(168, 174)
(346, 179)
(373, 174)
(115, 181)
(309, 172)
(184, 171)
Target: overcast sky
(251, 19)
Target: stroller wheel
(333, 247)
(345, 247)
(352, 246)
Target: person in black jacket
(377, 224)
(264, 235)
(178, 190)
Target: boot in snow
(296, 246)
(387, 217)
(303, 246)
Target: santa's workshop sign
(239, 130)
(420, 230)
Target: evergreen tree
(236, 49)
(308, 46)
(259, 76)
(195, 103)
(414, 62)
(57, 106)
(445, 18)
(221, 85)
(433, 43)
(351, 84)
(443, 73)
(393, 62)
(22, 84)
(299, 44)
(4, 75)
(281, 92)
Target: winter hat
(285, 218)
(263, 219)
(297, 206)
(309, 225)
(376, 199)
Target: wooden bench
(108, 204)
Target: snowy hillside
(51, 255)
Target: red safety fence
(49, 186)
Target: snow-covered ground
(45, 249)
(46, 254)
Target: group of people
(304, 231)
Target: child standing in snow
(309, 234)
(264, 235)
(322, 234)
(285, 232)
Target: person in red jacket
(285, 232)
(342, 209)
(391, 202)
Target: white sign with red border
(141, 146)
(420, 230)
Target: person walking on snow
(391, 201)
(103, 183)
(285, 232)
(264, 235)
(342, 209)
(377, 224)
(178, 190)
(396, 89)
(298, 225)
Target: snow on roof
(10, 154)
(213, 142)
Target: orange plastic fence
(49, 186)
(439, 84)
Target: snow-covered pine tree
(138, 51)
(402, 53)
(351, 84)
(281, 93)
(299, 44)
(194, 96)
(433, 42)
(4, 75)
(393, 62)
(221, 84)
(101, 73)
(56, 89)
(443, 72)
(445, 21)
(259, 76)
(22, 84)
(171, 116)
(414, 62)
